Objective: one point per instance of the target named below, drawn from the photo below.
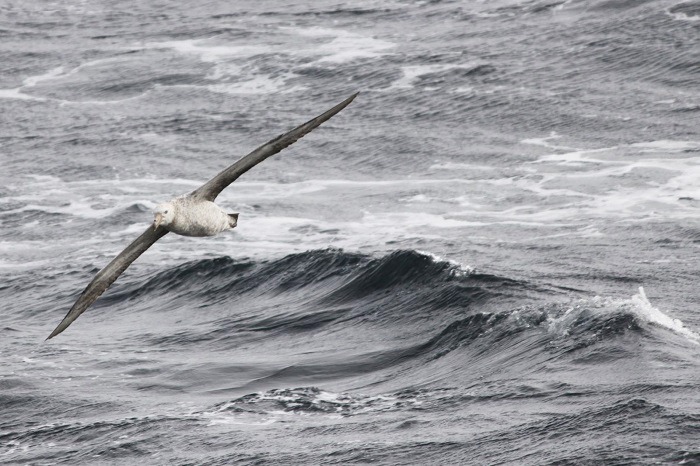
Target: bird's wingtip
(60, 328)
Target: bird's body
(195, 217)
(193, 214)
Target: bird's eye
(165, 212)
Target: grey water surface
(490, 257)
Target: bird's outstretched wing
(111, 272)
(213, 187)
(208, 191)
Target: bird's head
(164, 214)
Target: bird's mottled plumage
(189, 216)
(193, 214)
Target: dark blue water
(490, 257)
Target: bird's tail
(233, 220)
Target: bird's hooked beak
(157, 221)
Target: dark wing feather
(106, 276)
(213, 187)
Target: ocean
(490, 257)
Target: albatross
(192, 214)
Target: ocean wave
(506, 162)
(629, 421)
(127, 436)
(610, 327)
(439, 307)
(331, 277)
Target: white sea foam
(460, 166)
(577, 157)
(553, 200)
(230, 60)
(218, 418)
(292, 405)
(667, 145)
(413, 72)
(242, 190)
(458, 268)
(63, 102)
(130, 231)
(656, 175)
(420, 198)
(59, 73)
(45, 183)
(273, 232)
(31, 81)
(544, 141)
(344, 46)
(48, 76)
(78, 208)
(681, 16)
(639, 305)
(578, 201)
(208, 52)
(23, 264)
(249, 190)
(649, 313)
(234, 60)
(258, 85)
(17, 94)
(157, 138)
(685, 17)
(400, 221)
(276, 235)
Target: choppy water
(490, 257)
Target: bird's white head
(164, 214)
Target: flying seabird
(192, 214)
